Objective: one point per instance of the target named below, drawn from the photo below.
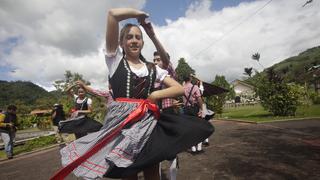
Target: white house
(244, 91)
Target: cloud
(40, 40)
(222, 42)
(54, 36)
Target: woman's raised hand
(141, 16)
(80, 83)
(147, 26)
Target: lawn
(256, 113)
(32, 145)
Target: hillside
(295, 69)
(21, 92)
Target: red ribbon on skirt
(134, 116)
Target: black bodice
(125, 83)
(83, 105)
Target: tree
(183, 69)
(70, 78)
(256, 57)
(248, 71)
(277, 96)
(216, 102)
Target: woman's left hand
(147, 26)
(153, 98)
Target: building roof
(237, 81)
(37, 111)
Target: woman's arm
(89, 110)
(174, 89)
(147, 26)
(70, 91)
(85, 111)
(92, 91)
(113, 19)
(84, 86)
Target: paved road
(282, 150)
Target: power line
(232, 29)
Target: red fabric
(134, 116)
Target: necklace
(129, 77)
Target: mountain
(295, 69)
(21, 92)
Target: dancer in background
(58, 115)
(80, 123)
(107, 94)
(206, 113)
(167, 105)
(192, 105)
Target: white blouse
(113, 60)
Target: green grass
(258, 114)
(29, 130)
(32, 145)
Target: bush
(216, 102)
(24, 121)
(315, 98)
(278, 97)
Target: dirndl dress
(79, 124)
(138, 145)
(206, 114)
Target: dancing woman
(146, 140)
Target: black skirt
(81, 124)
(172, 135)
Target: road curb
(271, 121)
(237, 120)
(30, 152)
(294, 119)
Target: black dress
(172, 133)
(80, 125)
(131, 138)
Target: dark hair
(12, 107)
(156, 53)
(125, 30)
(186, 78)
(58, 106)
(84, 90)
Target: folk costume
(134, 136)
(80, 124)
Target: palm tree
(248, 71)
(309, 1)
(256, 56)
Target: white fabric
(80, 101)
(193, 149)
(199, 147)
(206, 111)
(201, 88)
(113, 60)
(173, 170)
(6, 139)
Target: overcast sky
(41, 39)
